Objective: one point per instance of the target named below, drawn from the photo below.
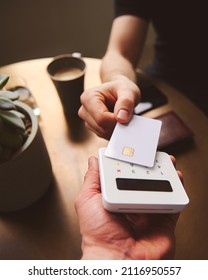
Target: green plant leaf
(6, 104)
(12, 119)
(3, 80)
(9, 94)
(18, 114)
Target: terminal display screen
(151, 185)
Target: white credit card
(135, 142)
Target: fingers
(92, 179)
(180, 175)
(95, 112)
(101, 122)
(91, 184)
(127, 97)
(107, 104)
(173, 159)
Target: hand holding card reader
(132, 188)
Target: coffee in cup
(67, 73)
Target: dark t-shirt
(180, 50)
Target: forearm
(124, 48)
(115, 66)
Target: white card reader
(132, 188)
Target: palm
(139, 236)
(134, 236)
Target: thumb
(90, 187)
(92, 179)
(124, 109)
(127, 98)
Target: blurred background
(46, 28)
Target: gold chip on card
(127, 151)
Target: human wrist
(123, 77)
(93, 248)
(114, 65)
(120, 77)
(97, 252)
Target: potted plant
(25, 168)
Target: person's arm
(125, 46)
(115, 99)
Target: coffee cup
(67, 73)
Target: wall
(43, 28)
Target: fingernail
(123, 115)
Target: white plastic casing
(141, 201)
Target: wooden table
(49, 229)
